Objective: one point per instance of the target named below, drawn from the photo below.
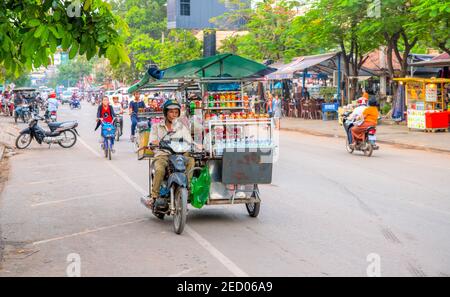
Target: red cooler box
(437, 120)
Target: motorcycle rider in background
(357, 112)
(369, 117)
(52, 104)
(118, 110)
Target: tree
(239, 15)
(143, 16)
(393, 29)
(70, 73)
(268, 36)
(31, 31)
(433, 18)
(342, 23)
(181, 46)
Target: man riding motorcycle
(357, 113)
(369, 118)
(171, 124)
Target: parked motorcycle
(23, 112)
(7, 108)
(64, 133)
(368, 145)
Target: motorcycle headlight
(179, 164)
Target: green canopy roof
(225, 65)
(219, 66)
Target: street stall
(425, 101)
(238, 145)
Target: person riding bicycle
(106, 114)
(172, 112)
(118, 110)
(135, 105)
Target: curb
(2, 151)
(397, 144)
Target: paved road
(324, 214)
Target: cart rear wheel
(179, 219)
(253, 208)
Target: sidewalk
(398, 135)
(8, 134)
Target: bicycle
(108, 134)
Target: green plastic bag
(200, 187)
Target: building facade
(196, 14)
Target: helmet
(373, 101)
(361, 101)
(171, 104)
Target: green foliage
(180, 47)
(31, 30)
(147, 22)
(386, 108)
(70, 73)
(433, 19)
(268, 36)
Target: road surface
(327, 213)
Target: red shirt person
(105, 112)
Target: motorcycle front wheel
(179, 218)
(23, 141)
(70, 138)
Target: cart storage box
(247, 167)
(436, 120)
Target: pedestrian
(135, 105)
(269, 108)
(277, 111)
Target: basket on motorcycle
(144, 151)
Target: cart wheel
(253, 208)
(179, 219)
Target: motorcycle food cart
(238, 145)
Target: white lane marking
(181, 273)
(60, 179)
(230, 265)
(88, 231)
(233, 268)
(74, 198)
